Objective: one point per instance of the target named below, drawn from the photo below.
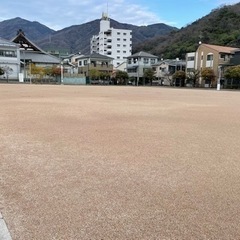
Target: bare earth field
(105, 162)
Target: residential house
(111, 42)
(165, 69)
(9, 60)
(215, 57)
(70, 63)
(138, 63)
(95, 66)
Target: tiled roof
(143, 54)
(39, 57)
(4, 42)
(221, 49)
(96, 56)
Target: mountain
(220, 27)
(76, 38)
(33, 30)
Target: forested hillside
(220, 27)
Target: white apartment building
(114, 43)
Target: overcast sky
(58, 14)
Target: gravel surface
(106, 162)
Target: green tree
(233, 74)
(148, 75)
(208, 75)
(1, 71)
(104, 75)
(37, 72)
(94, 74)
(121, 77)
(179, 77)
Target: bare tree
(7, 71)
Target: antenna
(107, 7)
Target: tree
(233, 74)
(39, 72)
(1, 71)
(94, 74)
(208, 75)
(8, 71)
(193, 77)
(179, 77)
(56, 71)
(121, 77)
(148, 75)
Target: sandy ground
(105, 162)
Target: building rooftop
(39, 57)
(96, 56)
(4, 42)
(222, 49)
(143, 54)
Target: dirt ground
(106, 162)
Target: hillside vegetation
(220, 27)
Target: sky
(58, 14)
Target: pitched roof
(39, 57)
(25, 43)
(143, 54)
(222, 49)
(96, 56)
(7, 43)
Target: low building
(215, 57)
(165, 69)
(30, 53)
(95, 66)
(9, 60)
(138, 63)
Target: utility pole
(219, 78)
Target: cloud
(228, 2)
(64, 13)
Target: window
(124, 52)
(118, 57)
(209, 57)
(118, 33)
(145, 60)
(7, 53)
(124, 39)
(190, 59)
(80, 63)
(118, 45)
(85, 62)
(118, 39)
(124, 45)
(124, 33)
(152, 61)
(118, 51)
